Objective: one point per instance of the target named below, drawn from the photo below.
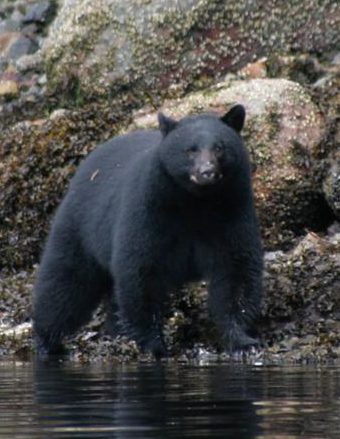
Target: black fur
(145, 213)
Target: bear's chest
(191, 257)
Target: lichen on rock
(155, 45)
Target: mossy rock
(99, 49)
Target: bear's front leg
(229, 315)
(236, 282)
(141, 286)
(140, 309)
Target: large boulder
(99, 48)
(284, 132)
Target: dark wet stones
(20, 46)
(31, 62)
(9, 26)
(20, 60)
(331, 184)
(39, 13)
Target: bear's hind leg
(67, 291)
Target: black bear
(145, 213)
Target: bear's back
(109, 159)
(92, 202)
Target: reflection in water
(168, 401)
(147, 401)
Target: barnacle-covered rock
(158, 45)
(302, 300)
(15, 312)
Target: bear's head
(204, 151)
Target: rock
(8, 88)
(255, 70)
(9, 25)
(60, 113)
(302, 293)
(333, 229)
(39, 12)
(42, 80)
(323, 81)
(17, 16)
(16, 331)
(331, 185)
(284, 129)
(15, 294)
(13, 45)
(153, 45)
(31, 62)
(336, 59)
(33, 94)
(6, 40)
(10, 74)
(21, 46)
(3, 64)
(30, 31)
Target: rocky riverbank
(62, 92)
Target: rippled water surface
(168, 401)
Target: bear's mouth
(205, 179)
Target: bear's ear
(166, 124)
(235, 117)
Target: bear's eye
(191, 150)
(218, 148)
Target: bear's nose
(208, 171)
(208, 174)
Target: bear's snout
(206, 172)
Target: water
(168, 401)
